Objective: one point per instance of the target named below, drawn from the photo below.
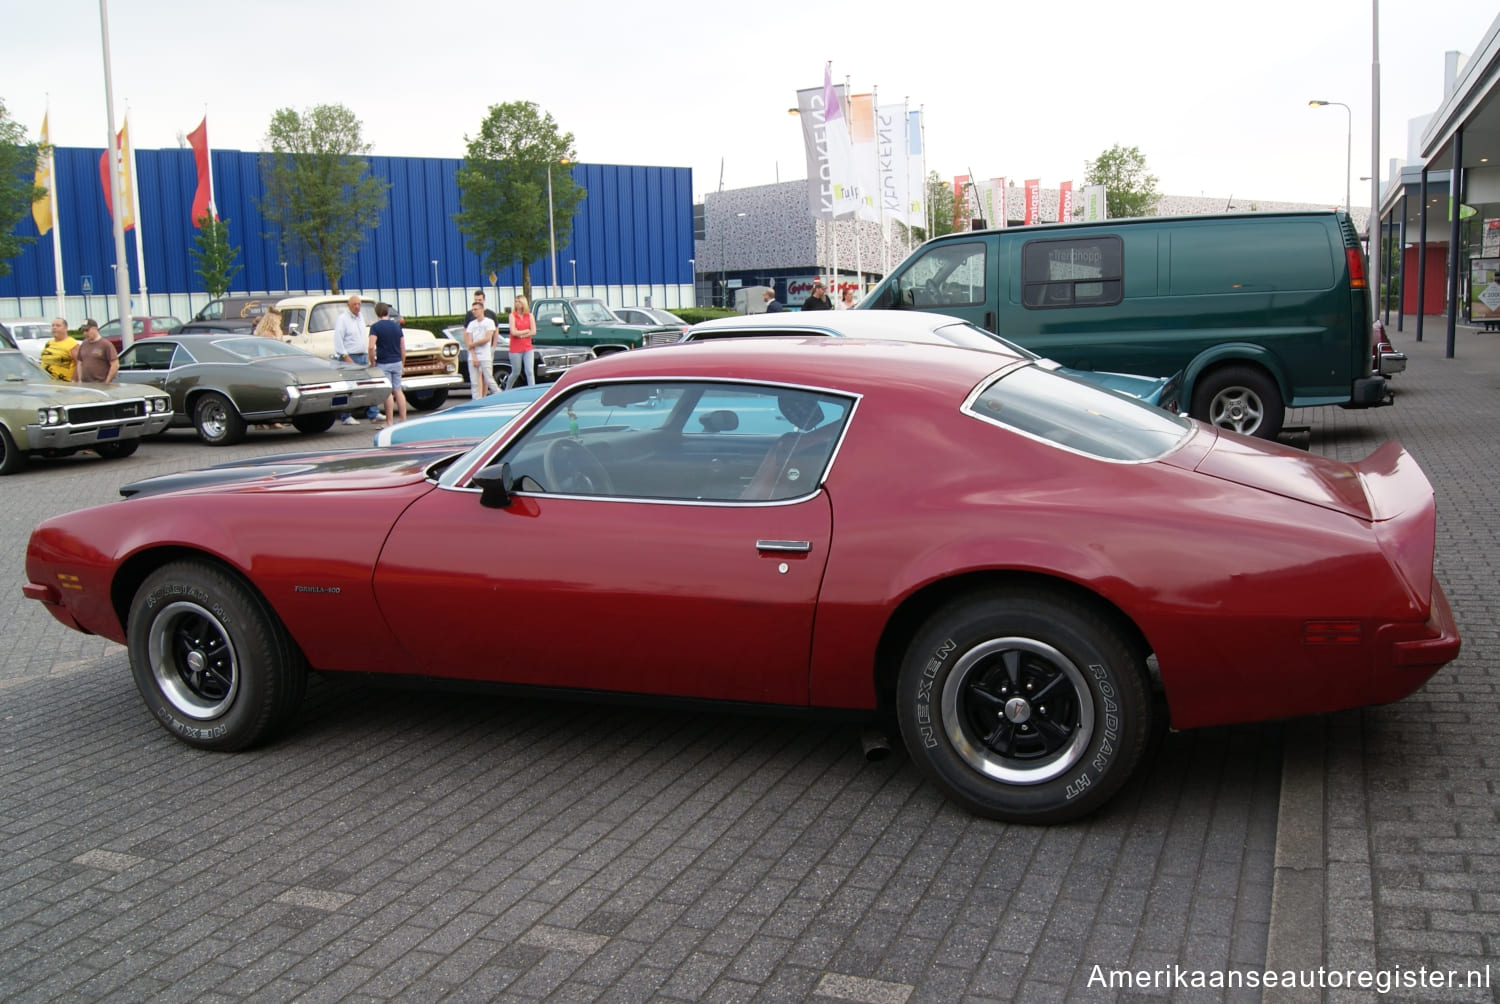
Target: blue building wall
(633, 228)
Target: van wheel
(427, 400)
(1241, 398)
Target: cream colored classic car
(431, 362)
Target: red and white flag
(1065, 202)
(1033, 197)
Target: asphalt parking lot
(422, 846)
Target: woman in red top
(522, 328)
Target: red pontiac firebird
(970, 545)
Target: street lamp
(1348, 143)
(285, 286)
(723, 257)
(434, 285)
(551, 229)
(693, 268)
(574, 262)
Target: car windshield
(16, 368)
(254, 347)
(593, 312)
(1078, 416)
(325, 314)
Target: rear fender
(1232, 352)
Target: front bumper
(431, 382)
(86, 434)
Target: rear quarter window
(1249, 258)
(1078, 416)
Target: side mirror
(496, 485)
(557, 320)
(294, 328)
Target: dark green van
(1260, 311)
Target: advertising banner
(1033, 200)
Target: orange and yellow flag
(41, 209)
(127, 211)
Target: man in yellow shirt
(57, 355)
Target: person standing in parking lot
(388, 349)
(773, 305)
(479, 339)
(349, 339)
(57, 355)
(522, 328)
(94, 359)
(818, 298)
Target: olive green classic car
(40, 416)
(221, 384)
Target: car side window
(149, 354)
(291, 320)
(214, 311)
(1083, 272)
(689, 442)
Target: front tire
(1023, 707)
(11, 458)
(117, 451)
(427, 400)
(211, 660)
(217, 421)
(320, 422)
(1242, 398)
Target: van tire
(1241, 398)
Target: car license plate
(110, 433)
(340, 399)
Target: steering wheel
(570, 469)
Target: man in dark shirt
(388, 353)
(773, 305)
(818, 298)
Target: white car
(31, 334)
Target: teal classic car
(43, 417)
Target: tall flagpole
(927, 211)
(135, 214)
(885, 241)
(57, 263)
(122, 264)
(1376, 231)
(906, 156)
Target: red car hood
(347, 470)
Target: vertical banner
(891, 160)
(203, 196)
(916, 167)
(1065, 202)
(1093, 203)
(41, 209)
(862, 130)
(962, 214)
(122, 143)
(832, 187)
(995, 209)
(1033, 197)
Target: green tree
(503, 184)
(214, 256)
(940, 198)
(1128, 189)
(319, 196)
(17, 188)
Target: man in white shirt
(351, 341)
(479, 338)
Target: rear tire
(1023, 706)
(210, 658)
(1242, 398)
(217, 421)
(320, 422)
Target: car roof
(817, 361)
(873, 325)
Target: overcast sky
(1214, 94)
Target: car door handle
(784, 546)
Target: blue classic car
(470, 420)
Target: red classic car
(967, 544)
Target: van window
(1085, 272)
(950, 275)
(1250, 258)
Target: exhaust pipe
(875, 744)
